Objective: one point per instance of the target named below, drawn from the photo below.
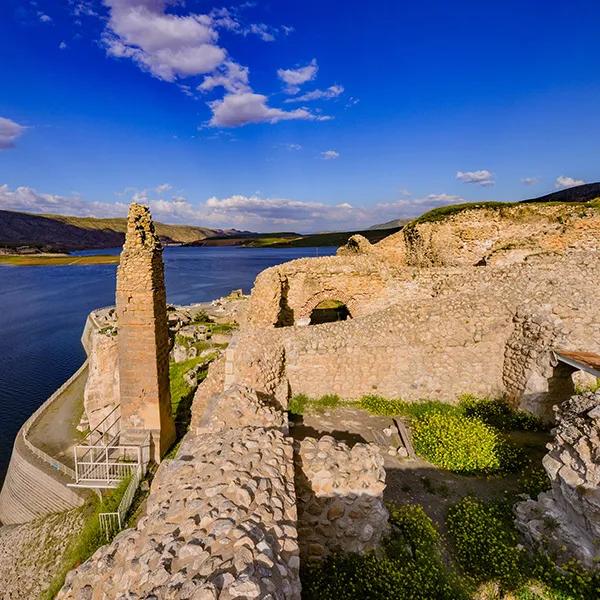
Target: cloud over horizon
(563, 182)
(239, 211)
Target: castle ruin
(143, 340)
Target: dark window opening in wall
(329, 311)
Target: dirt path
(55, 431)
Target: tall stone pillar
(143, 338)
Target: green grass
(89, 539)
(301, 403)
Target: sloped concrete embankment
(36, 483)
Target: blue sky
(305, 116)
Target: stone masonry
(143, 340)
(566, 520)
(340, 497)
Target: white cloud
(293, 78)
(44, 18)
(263, 32)
(27, 199)
(163, 187)
(9, 133)
(168, 46)
(235, 110)
(231, 76)
(530, 180)
(330, 155)
(241, 211)
(564, 182)
(293, 146)
(332, 91)
(482, 177)
(63, 45)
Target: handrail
(97, 428)
(53, 462)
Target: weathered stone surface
(240, 406)
(143, 339)
(566, 519)
(340, 497)
(221, 523)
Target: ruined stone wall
(220, 523)
(340, 497)
(480, 330)
(566, 519)
(143, 339)
(286, 294)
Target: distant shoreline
(56, 260)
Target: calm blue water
(43, 311)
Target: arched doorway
(329, 311)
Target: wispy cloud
(481, 177)
(331, 92)
(330, 155)
(10, 131)
(563, 182)
(530, 180)
(294, 78)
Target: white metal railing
(112, 522)
(105, 466)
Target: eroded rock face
(566, 519)
(220, 524)
(340, 497)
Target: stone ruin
(143, 340)
(566, 519)
(232, 514)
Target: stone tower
(143, 338)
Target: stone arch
(329, 311)
(303, 315)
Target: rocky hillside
(492, 233)
(57, 232)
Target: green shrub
(498, 413)
(485, 548)
(457, 443)
(411, 568)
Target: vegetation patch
(410, 567)
(486, 546)
(301, 403)
(45, 260)
(457, 443)
(499, 414)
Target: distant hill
(57, 232)
(579, 193)
(393, 224)
(335, 238)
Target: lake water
(43, 311)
